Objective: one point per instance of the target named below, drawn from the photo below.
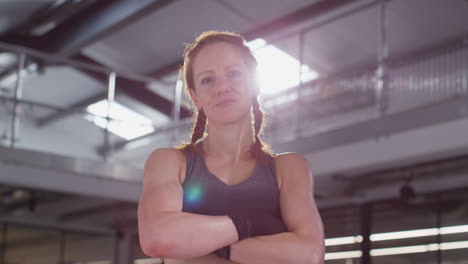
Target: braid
(199, 127)
(198, 131)
(258, 126)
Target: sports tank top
(257, 197)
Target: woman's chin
(226, 118)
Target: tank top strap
(267, 162)
(271, 166)
(192, 162)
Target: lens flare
(193, 193)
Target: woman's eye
(207, 80)
(234, 73)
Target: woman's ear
(193, 95)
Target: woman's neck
(229, 141)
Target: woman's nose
(222, 85)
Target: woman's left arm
(304, 241)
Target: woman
(225, 198)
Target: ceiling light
(343, 255)
(148, 261)
(7, 59)
(43, 28)
(124, 122)
(419, 248)
(398, 235)
(399, 250)
(404, 234)
(343, 240)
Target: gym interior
(373, 93)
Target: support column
(439, 223)
(63, 241)
(177, 100)
(4, 243)
(382, 92)
(15, 121)
(110, 102)
(124, 247)
(299, 103)
(366, 229)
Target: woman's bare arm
(164, 230)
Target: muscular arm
(304, 243)
(164, 230)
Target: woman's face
(224, 85)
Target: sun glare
(278, 70)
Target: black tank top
(257, 196)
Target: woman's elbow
(149, 245)
(155, 246)
(315, 254)
(152, 243)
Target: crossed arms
(167, 232)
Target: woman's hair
(199, 127)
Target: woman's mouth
(225, 102)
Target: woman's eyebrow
(198, 75)
(232, 65)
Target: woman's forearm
(279, 248)
(181, 235)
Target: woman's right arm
(164, 230)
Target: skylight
(125, 122)
(277, 70)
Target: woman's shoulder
(289, 159)
(166, 154)
(287, 163)
(166, 161)
(164, 157)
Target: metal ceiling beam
(88, 26)
(63, 174)
(49, 15)
(425, 169)
(387, 125)
(392, 191)
(103, 19)
(136, 90)
(294, 18)
(41, 223)
(123, 208)
(77, 107)
(301, 15)
(70, 204)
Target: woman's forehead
(215, 55)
